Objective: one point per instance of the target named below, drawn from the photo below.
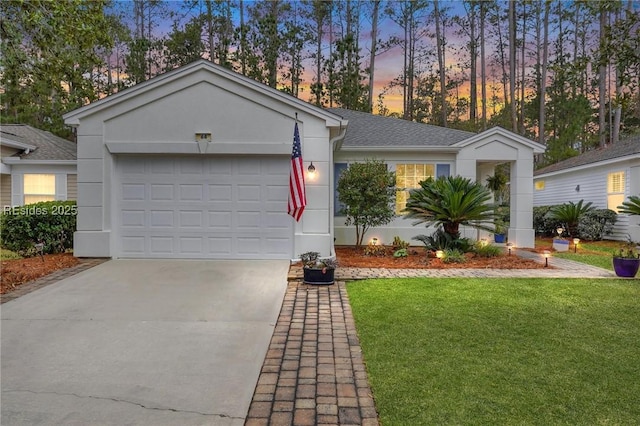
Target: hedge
(51, 223)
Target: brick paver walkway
(313, 373)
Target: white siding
(560, 188)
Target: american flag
(297, 196)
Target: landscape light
(547, 255)
(575, 244)
(510, 246)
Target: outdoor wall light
(439, 254)
(311, 169)
(510, 246)
(575, 244)
(547, 255)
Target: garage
(210, 207)
(194, 164)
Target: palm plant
(631, 207)
(450, 202)
(569, 214)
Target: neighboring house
(35, 166)
(605, 177)
(195, 164)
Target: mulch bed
(20, 271)
(350, 256)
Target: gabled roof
(41, 145)
(367, 130)
(73, 117)
(622, 150)
(499, 131)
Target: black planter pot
(322, 276)
(626, 268)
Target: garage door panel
(161, 219)
(133, 218)
(249, 192)
(161, 192)
(133, 192)
(161, 166)
(161, 245)
(202, 207)
(191, 219)
(220, 192)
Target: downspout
(332, 143)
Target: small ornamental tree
(367, 191)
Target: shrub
(399, 243)
(52, 223)
(367, 191)
(595, 224)
(570, 214)
(486, 250)
(451, 202)
(542, 223)
(441, 240)
(453, 256)
(400, 253)
(375, 250)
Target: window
(539, 185)
(39, 188)
(409, 176)
(615, 190)
(338, 168)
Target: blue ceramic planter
(626, 268)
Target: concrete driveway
(141, 342)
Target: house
(195, 164)
(35, 166)
(605, 177)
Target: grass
(595, 253)
(501, 351)
(8, 255)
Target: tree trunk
(473, 83)
(512, 66)
(374, 41)
(543, 77)
(483, 71)
(523, 68)
(602, 82)
(440, 50)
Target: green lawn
(595, 253)
(501, 351)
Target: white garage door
(203, 207)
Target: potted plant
(316, 270)
(626, 261)
(500, 231)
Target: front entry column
(521, 232)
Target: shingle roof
(623, 148)
(372, 131)
(49, 146)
